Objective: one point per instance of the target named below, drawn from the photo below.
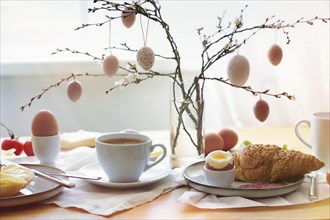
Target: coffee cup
(320, 139)
(125, 156)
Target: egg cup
(46, 148)
(220, 178)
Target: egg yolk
(219, 157)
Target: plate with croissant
(261, 171)
(19, 185)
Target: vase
(186, 125)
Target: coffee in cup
(125, 156)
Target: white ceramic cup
(320, 137)
(125, 163)
(46, 148)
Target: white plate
(155, 174)
(39, 189)
(195, 177)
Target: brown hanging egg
(128, 18)
(74, 90)
(238, 70)
(261, 110)
(146, 58)
(275, 54)
(110, 65)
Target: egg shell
(74, 90)
(110, 65)
(145, 58)
(238, 70)
(230, 138)
(128, 18)
(44, 124)
(261, 110)
(213, 142)
(275, 54)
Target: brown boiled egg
(261, 110)
(146, 58)
(230, 138)
(128, 18)
(238, 70)
(110, 65)
(213, 142)
(74, 90)
(44, 124)
(275, 54)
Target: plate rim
(108, 184)
(287, 188)
(18, 200)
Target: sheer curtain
(31, 30)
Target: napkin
(300, 196)
(102, 200)
(70, 140)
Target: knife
(43, 175)
(313, 187)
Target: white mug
(320, 137)
(125, 156)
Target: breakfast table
(170, 203)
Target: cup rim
(103, 137)
(321, 115)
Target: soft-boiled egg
(219, 160)
(44, 124)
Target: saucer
(155, 174)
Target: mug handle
(296, 130)
(149, 165)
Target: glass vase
(186, 125)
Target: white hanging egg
(275, 54)
(74, 90)
(238, 70)
(110, 65)
(128, 18)
(146, 58)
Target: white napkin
(300, 196)
(106, 201)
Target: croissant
(270, 163)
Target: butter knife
(43, 175)
(53, 179)
(313, 187)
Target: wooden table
(166, 207)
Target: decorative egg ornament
(110, 65)
(74, 90)
(145, 58)
(261, 110)
(238, 70)
(275, 54)
(128, 18)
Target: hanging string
(145, 36)
(275, 36)
(110, 36)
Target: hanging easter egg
(275, 54)
(110, 65)
(238, 70)
(146, 58)
(74, 90)
(128, 18)
(261, 110)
